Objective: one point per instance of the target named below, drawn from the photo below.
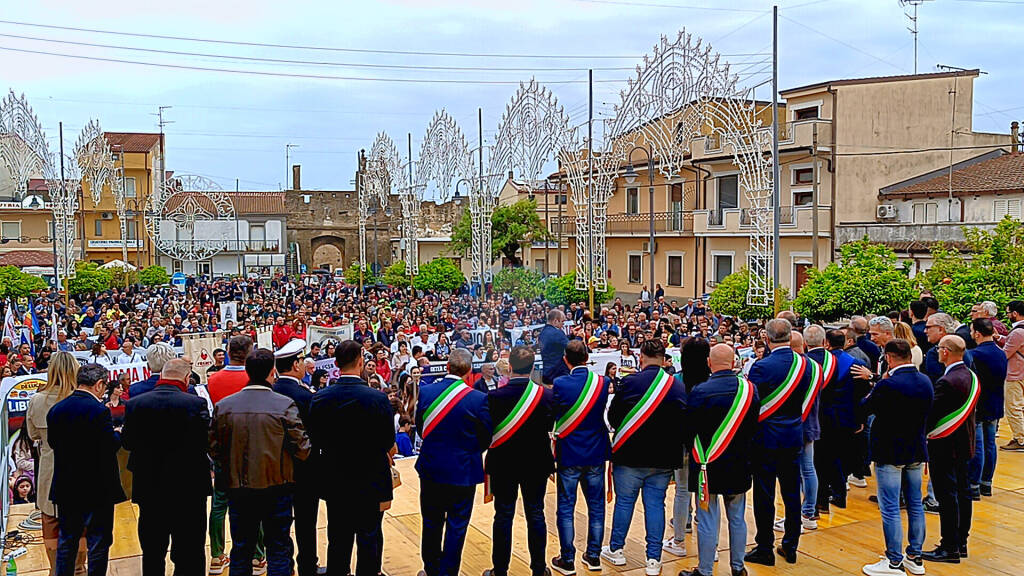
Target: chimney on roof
(1015, 136)
(296, 177)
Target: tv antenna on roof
(913, 22)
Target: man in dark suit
(950, 448)
(83, 439)
(306, 500)
(519, 460)
(582, 450)
(900, 403)
(782, 378)
(551, 344)
(166, 431)
(156, 356)
(353, 427)
(938, 326)
(859, 325)
(727, 474)
(455, 425)
(646, 449)
(919, 313)
(988, 362)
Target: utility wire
(847, 44)
(673, 6)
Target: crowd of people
(816, 410)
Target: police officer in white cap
(306, 503)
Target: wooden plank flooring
(843, 543)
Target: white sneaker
(614, 557)
(857, 482)
(915, 567)
(883, 568)
(674, 547)
(780, 525)
(653, 567)
(808, 524)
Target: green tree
(995, 270)
(866, 280)
(730, 298)
(352, 275)
(439, 274)
(89, 277)
(521, 283)
(396, 275)
(512, 226)
(561, 290)
(154, 276)
(16, 284)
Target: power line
(847, 44)
(1007, 2)
(674, 6)
(309, 62)
(285, 74)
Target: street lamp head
(631, 175)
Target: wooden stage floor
(843, 543)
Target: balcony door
(675, 202)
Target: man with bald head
(727, 474)
(950, 448)
(859, 325)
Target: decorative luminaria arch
(188, 203)
(23, 147)
(534, 131)
(96, 161)
(382, 169)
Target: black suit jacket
(82, 436)
(527, 454)
(951, 391)
(167, 432)
(302, 397)
(353, 427)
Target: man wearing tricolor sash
(582, 449)
(950, 448)
(648, 414)
(519, 460)
(782, 378)
(722, 419)
(455, 425)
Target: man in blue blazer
(782, 378)
(519, 460)
(353, 427)
(306, 501)
(859, 325)
(988, 361)
(455, 425)
(84, 442)
(900, 402)
(551, 344)
(582, 450)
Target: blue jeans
(681, 504)
(98, 526)
(708, 522)
(809, 480)
(983, 466)
(629, 482)
(270, 508)
(891, 481)
(592, 480)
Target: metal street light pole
(547, 228)
(631, 177)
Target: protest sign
(199, 348)
(324, 334)
(228, 313)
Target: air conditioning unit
(886, 212)
(107, 215)
(647, 247)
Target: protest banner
(328, 365)
(228, 313)
(265, 339)
(199, 348)
(324, 334)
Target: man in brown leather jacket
(256, 436)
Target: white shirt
(893, 371)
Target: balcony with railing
(233, 245)
(665, 223)
(798, 133)
(793, 220)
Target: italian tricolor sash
(722, 437)
(643, 409)
(581, 408)
(815, 386)
(949, 423)
(443, 404)
(515, 419)
(771, 403)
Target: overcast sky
(228, 126)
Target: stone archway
(328, 252)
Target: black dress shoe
(940, 554)
(563, 566)
(963, 551)
(740, 572)
(986, 490)
(789, 555)
(756, 556)
(693, 572)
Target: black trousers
(505, 492)
(358, 521)
(445, 510)
(179, 522)
(306, 507)
(769, 466)
(828, 463)
(952, 490)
